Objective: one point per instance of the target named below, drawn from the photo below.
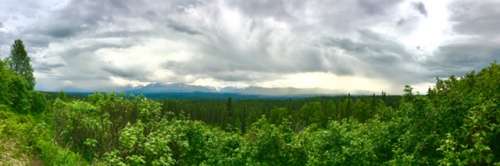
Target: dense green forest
(457, 122)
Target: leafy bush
(35, 136)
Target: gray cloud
(45, 67)
(5, 44)
(280, 9)
(478, 22)
(376, 56)
(131, 73)
(74, 44)
(420, 7)
(179, 27)
(459, 58)
(377, 7)
(475, 18)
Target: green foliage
(49, 152)
(269, 144)
(277, 115)
(35, 135)
(342, 143)
(6, 77)
(20, 95)
(17, 91)
(307, 113)
(39, 102)
(474, 142)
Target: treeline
(234, 115)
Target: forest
(457, 122)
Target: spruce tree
(20, 63)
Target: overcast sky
(342, 45)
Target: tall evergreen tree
(20, 63)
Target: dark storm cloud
(377, 7)
(420, 7)
(62, 31)
(179, 27)
(460, 58)
(45, 67)
(131, 73)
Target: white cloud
(328, 81)
(126, 82)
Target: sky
(342, 45)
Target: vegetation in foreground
(456, 123)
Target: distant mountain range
(252, 90)
(184, 91)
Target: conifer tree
(21, 63)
